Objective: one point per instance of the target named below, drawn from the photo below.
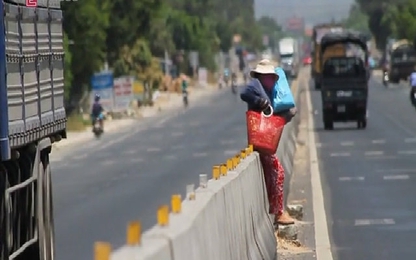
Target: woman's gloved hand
(263, 103)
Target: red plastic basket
(264, 131)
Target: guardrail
(226, 218)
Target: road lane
(369, 178)
(102, 185)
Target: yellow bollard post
(235, 162)
(230, 164)
(243, 154)
(176, 203)
(163, 215)
(224, 170)
(238, 158)
(134, 233)
(216, 172)
(251, 147)
(102, 251)
(248, 152)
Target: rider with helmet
(97, 111)
(412, 81)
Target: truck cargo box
(34, 66)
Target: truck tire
(4, 238)
(317, 85)
(48, 207)
(29, 208)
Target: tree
(85, 24)
(68, 73)
(271, 28)
(357, 20)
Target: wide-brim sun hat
(263, 67)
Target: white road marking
(170, 157)
(196, 123)
(176, 134)
(231, 152)
(119, 139)
(153, 149)
(130, 152)
(407, 152)
(347, 143)
(340, 154)
(367, 222)
(410, 140)
(200, 144)
(79, 157)
(384, 157)
(351, 178)
(226, 142)
(55, 159)
(378, 141)
(373, 153)
(396, 177)
(322, 242)
(199, 154)
(136, 160)
(177, 147)
(108, 162)
(397, 171)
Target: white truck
(32, 117)
(289, 56)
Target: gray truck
(32, 117)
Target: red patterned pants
(274, 174)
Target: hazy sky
(314, 11)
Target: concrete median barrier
(227, 219)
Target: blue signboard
(103, 80)
(102, 84)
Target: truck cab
(288, 56)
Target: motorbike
(385, 78)
(97, 128)
(413, 96)
(234, 87)
(185, 98)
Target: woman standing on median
(264, 76)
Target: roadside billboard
(102, 84)
(123, 92)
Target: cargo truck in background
(318, 32)
(400, 60)
(289, 56)
(32, 117)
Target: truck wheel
(4, 236)
(328, 124)
(362, 123)
(48, 209)
(317, 85)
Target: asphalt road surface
(101, 185)
(369, 178)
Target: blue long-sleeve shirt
(254, 92)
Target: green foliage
(268, 26)
(390, 18)
(68, 73)
(128, 34)
(357, 20)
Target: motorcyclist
(97, 112)
(184, 84)
(233, 77)
(226, 76)
(412, 81)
